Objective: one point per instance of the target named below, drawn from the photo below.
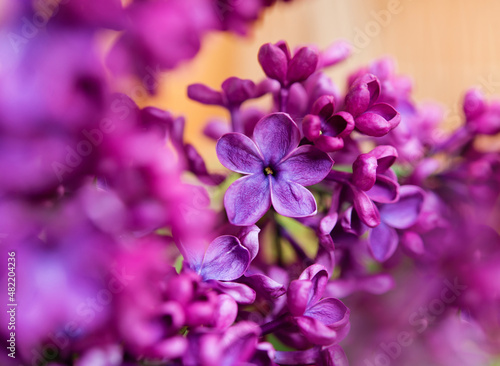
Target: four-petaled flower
(276, 168)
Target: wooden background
(446, 46)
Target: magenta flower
(278, 63)
(276, 168)
(325, 128)
(384, 239)
(322, 321)
(372, 117)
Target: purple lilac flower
(278, 63)
(224, 260)
(234, 92)
(322, 321)
(398, 215)
(371, 117)
(325, 128)
(276, 171)
(480, 116)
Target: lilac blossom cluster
(131, 252)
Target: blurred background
(446, 46)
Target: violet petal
(324, 107)
(265, 285)
(333, 356)
(302, 65)
(237, 90)
(328, 143)
(203, 94)
(291, 199)
(365, 208)
(364, 171)
(241, 293)
(383, 241)
(226, 311)
(298, 296)
(247, 199)
(335, 53)
(378, 121)
(225, 259)
(306, 166)
(362, 94)
(329, 311)
(315, 331)
(238, 153)
(318, 275)
(276, 135)
(311, 127)
(404, 213)
(386, 155)
(249, 237)
(385, 190)
(273, 61)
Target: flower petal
(413, 244)
(383, 241)
(298, 296)
(333, 356)
(276, 135)
(385, 190)
(364, 172)
(316, 332)
(311, 127)
(273, 61)
(237, 90)
(378, 121)
(331, 312)
(239, 343)
(404, 213)
(169, 348)
(318, 275)
(239, 292)
(362, 94)
(226, 311)
(204, 94)
(324, 107)
(302, 65)
(386, 155)
(306, 166)
(247, 199)
(291, 199)
(249, 237)
(328, 143)
(335, 53)
(264, 285)
(365, 208)
(238, 153)
(225, 259)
